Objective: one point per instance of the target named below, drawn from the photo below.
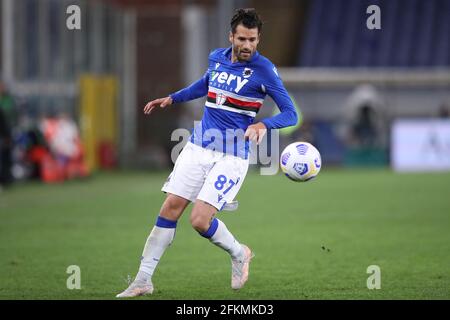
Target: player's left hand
(256, 132)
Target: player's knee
(172, 208)
(199, 223)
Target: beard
(244, 55)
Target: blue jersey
(234, 94)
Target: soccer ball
(300, 161)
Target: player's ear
(230, 37)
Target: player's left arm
(288, 115)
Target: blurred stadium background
(368, 98)
(128, 52)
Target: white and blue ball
(300, 161)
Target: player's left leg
(203, 220)
(221, 186)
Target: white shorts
(207, 175)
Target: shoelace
(237, 267)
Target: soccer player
(212, 166)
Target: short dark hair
(248, 17)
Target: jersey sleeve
(288, 116)
(196, 90)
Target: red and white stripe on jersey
(221, 99)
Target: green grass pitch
(312, 240)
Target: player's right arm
(161, 102)
(196, 90)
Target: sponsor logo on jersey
(223, 78)
(217, 65)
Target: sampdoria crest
(247, 72)
(220, 99)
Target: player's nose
(247, 47)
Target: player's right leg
(182, 187)
(162, 235)
(158, 241)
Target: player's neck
(233, 56)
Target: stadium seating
(413, 34)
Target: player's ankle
(144, 277)
(240, 255)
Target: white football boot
(240, 269)
(137, 288)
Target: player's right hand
(161, 102)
